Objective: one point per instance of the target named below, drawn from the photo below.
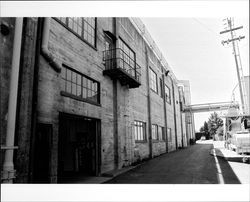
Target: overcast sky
(193, 49)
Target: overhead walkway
(206, 107)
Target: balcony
(119, 65)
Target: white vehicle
(240, 142)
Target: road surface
(192, 165)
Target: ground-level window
(161, 134)
(153, 80)
(154, 132)
(140, 131)
(80, 86)
(83, 27)
(169, 134)
(167, 94)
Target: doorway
(42, 153)
(78, 151)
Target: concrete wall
(132, 104)
(6, 50)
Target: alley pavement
(192, 165)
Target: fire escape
(119, 65)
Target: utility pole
(234, 40)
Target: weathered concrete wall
(25, 100)
(132, 104)
(6, 50)
(75, 53)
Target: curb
(243, 159)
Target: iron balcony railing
(118, 59)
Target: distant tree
(202, 129)
(214, 122)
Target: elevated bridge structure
(206, 107)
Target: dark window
(140, 131)
(169, 131)
(161, 88)
(153, 80)
(155, 132)
(83, 27)
(80, 85)
(167, 94)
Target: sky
(192, 47)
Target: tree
(214, 122)
(204, 129)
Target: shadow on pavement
(192, 165)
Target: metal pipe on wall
(45, 51)
(8, 165)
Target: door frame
(97, 139)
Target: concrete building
(246, 82)
(92, 96)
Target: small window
(80, 86)
(140, 131)
(154, 132)
(85, 28)
(169, 131)
(167, 94)
(153, 80)
(161, 133)
(161, 88)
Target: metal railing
(118, 59)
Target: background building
(92, 97)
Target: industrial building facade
(92, 97)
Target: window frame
(166, 94)
(156, 138)
(150, 80)
(82, 34)
(87, 80)
(169, 134)
(161, 128)
(125, 54)
(161, 88)
(136, 127)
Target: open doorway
(79, 147)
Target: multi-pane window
(167, 94)
(80, 86)
(128, 57)
(139, 131)
(161, 133)
(153, 80)
(169, 131)
(154, 132)
(83, 27)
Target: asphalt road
(192, 165)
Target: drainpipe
(165, 109)
(115, 102)
(149, 107)
(182, 135)
(175, 129)
(45, 51)
(8, 165)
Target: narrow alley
(192, 165)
